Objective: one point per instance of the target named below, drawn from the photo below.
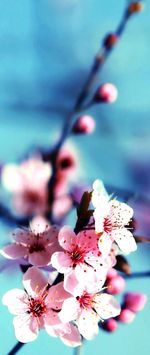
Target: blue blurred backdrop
(46, 49)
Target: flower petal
(23, 236)
(26, 328)
(40, 258)
(14, 251)
(125, 240)
(88, 324)
(51, 318)
(120, 212)
(58, 330)
(34, 281)
(73, 284)
(87, 240)
(67, 238)
(106, 306)
(105, 244)
(99, 193)
(38, 224)
(61, 262)
(56, 296)
(99, 215)
(70, 310)
(16, 300)
(73, 338)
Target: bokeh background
(46, 50)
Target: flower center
(36, 247)
(86, 300)
(77, 256)
(31, 196)
(107, 225)
(37, 307)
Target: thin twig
(78, 350)
(99, 61)
(137, 275)
(16, 348)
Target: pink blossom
(61, 206)
(88, 307)
(135, 301)
(35, 244)
(110, 325)
(28, 184)
(84, 124)
(115, 285)
(38, 307)
(111, 220)
(107, 93)
(126, 316)
(80, 255)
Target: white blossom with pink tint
(38, 307)
(36, 244)
(28, 184)
(88, 307)
(80, 256)
(111, 220)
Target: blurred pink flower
(36, 307)
(61, 206)
(84, 124)
(111, 325)
(135, 301)
(115, 285)
(36, 244)
(126, 316)
(28, 184)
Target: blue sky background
(46, 49)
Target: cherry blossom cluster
(70, 274)
(66, 287)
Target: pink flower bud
(116, 285)
(135, 301)
(106, 93)
(111, 325)
(126, 316)
(110, 40)
(84, 124)
(112, 273)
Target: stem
(16, 348)
(99, 60)
(78, 350)
(137, 275)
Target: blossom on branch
(28, 184)
(111, 220)
(36, 244)
(80, 256)
(87, 307)
(38, 307)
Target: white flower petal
(34, 281)
(16, 300)
(26, 328)
(125, 240)
(70, 310)
(121, 213)
(106, 306)
(88, 324)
